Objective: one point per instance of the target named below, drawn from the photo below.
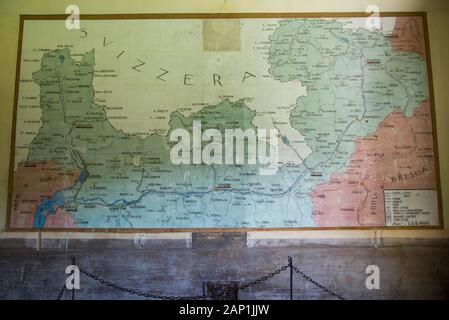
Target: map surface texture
(97, 106)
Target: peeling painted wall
(409, 268)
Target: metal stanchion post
(73, 289)
(290, 264)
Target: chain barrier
(137, 292)
(264, 278)
(202, 297)
(308, 278)
(61, 292)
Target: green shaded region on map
(354, 79)
(119, 169)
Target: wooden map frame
(23, 18)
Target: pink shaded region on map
(61, 219)
(408, 35)
(399, 155)
(33, 182)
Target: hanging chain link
(137, 292)
(61, 292)
(308, 278)
(264, 278)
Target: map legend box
(412, 208)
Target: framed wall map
(204, 122)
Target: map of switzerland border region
(353, 113)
